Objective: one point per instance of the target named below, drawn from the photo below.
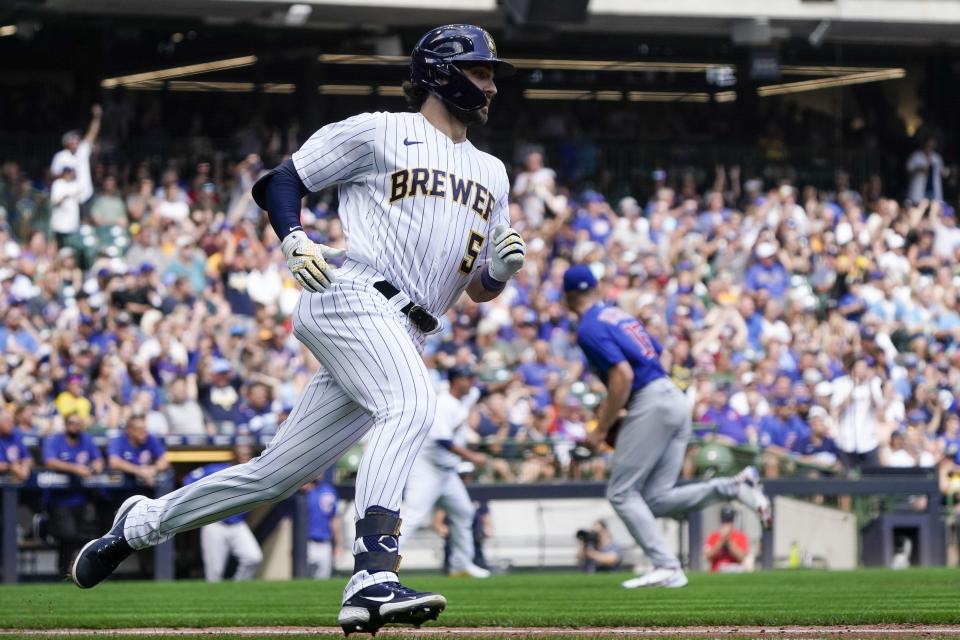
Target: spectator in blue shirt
(74, 453)
(537, 372)
(767, 273)
(256, 415)
(14, 457)
(230, 536)
(15, 334)
(595, 217)
(779, 432)
(731, 428)
(138, 453)
(817, 448)
(754, 321)
(220, 397)
(851, 304)
(323, 527)
(949, 440)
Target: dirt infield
(779, 632)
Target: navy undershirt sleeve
(279, 192)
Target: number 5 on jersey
(474, 244)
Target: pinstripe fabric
(373, 378)
(417, 243)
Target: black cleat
(101, 557)
(388, 603)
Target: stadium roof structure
(886, 22)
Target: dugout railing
(111, 483)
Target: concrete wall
(541, 533)
(826, 533)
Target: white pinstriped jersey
(415, 206)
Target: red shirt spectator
(727, 547)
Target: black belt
(419, 316)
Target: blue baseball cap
(578, 278)
(592, 197)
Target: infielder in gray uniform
(434, 479)
(651, 439)
(426, 219)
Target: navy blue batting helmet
(433, 64)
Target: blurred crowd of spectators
(818, 327)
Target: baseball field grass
(546, 600)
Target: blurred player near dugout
(228, 537)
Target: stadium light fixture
(667, 96)
(178, 72)
(572, 94)
(632, 96)
(830, 83)
(824, 77)
(536, 63)
(200, 86)
(345, 89)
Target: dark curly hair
(414, 94)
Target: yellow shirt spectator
(68, 404)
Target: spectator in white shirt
(65, 198)
(925, 170)
(857, 399)
(76, 154)
(894, 260)
(897, 454)
(534, 188)
(946, 237)
(749, 401)
(182, 410)
(172, 206)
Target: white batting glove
(509, 252)
(307, 261)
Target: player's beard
(470, 118)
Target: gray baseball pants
(646, 464)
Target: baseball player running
(434, 478)
(232, 535)
(425, 215)
(650, 441)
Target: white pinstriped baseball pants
(372, 377)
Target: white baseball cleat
(662, 577)
(471, 571)
(750, 492)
